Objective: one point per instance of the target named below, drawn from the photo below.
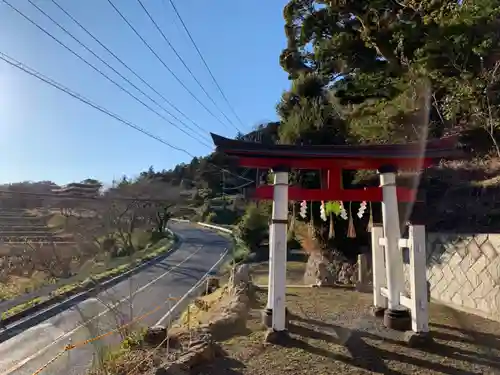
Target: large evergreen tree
(372, 54)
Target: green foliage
(254, 225)
(384, 51)
(332, 208)
(210, 217)
(309, 115)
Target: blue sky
(47, 135)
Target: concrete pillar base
(378, 312)
(399, 320)
(418, 339)
(277, 337)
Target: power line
(184, 63)
(19, 65)
(127, 67)
(100, 72)
(205, 63)
(162, 61)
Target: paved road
(27, 352)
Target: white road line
(186, 295)
(67, 334)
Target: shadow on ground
(333, 332)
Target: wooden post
(418, 279)
(362, 283)
(378, 269)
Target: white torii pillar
(275, 313)
(396, 316)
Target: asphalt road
(146, 291)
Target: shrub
(254, 225)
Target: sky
(47, 135)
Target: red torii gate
(332, 160)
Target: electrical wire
(19, 65)
(205, 62)
(163, 62)
(98, 70)
(127, 67)
(184, 63)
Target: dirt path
(333, 332)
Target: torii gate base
(418, 302)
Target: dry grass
(295, 273)
(202, 309)
(333, 332)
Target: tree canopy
(369, 53)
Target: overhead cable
(99, 71)
(97, 40)
(205, 63)
(21, 66)
(184, 63)
(122, 16)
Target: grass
(97, 272)
(57, 221)
(21, 307)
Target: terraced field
(19, 226)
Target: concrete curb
(52, 306)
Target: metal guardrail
(211, 226)
(216, 227)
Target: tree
(152, 200)
(308, 114)
(370, 52)
(253, 227)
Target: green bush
(210, 218)
(254, 226)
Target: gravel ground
(334, 333)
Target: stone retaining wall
(464, 272)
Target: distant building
(79, 189)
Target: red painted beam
(372, 194)
(351, 163)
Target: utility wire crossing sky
(171, 54)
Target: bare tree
(154, 201)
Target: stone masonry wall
(463, 271)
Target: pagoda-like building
(85, 189)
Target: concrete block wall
(463, 272)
